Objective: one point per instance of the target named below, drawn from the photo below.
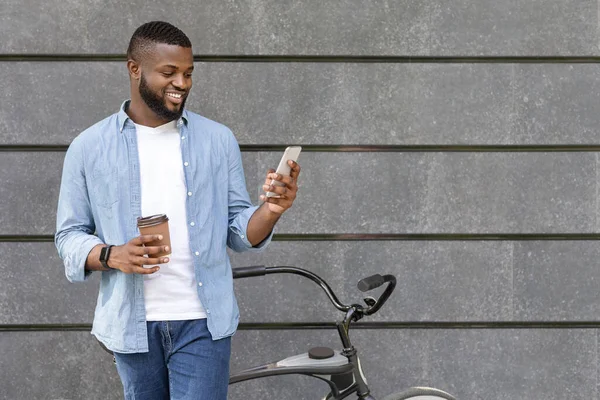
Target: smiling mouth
(176, 98)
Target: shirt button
(199, 283)
(192, 224)
(207, 311)
(197, 253)
(242, 236)
(186, 163)
(189, 193)
(183, 138)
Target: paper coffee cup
(156, 225)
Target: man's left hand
(285, 194)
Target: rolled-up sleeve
(74, 238)
(240, 207)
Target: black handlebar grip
(370, 283)
(247, 272)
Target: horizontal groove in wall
(499, 59)
(367, 148)
(34, 148)
(435, 236)
(26, 238)
(350, 237)
(332, 325)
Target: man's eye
(167, 73)
(188, 75)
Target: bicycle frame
(342, 371)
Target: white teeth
(177, 96)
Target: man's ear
(134, 69)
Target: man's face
(166, 80)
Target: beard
(157, 103)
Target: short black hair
(154, 32)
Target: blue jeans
(183, 363)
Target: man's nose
(180, 82)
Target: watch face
(104, 253)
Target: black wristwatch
(104, 254)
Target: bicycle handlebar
(364, 285)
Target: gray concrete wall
(480, 194)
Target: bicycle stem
(350, 352)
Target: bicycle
(341, 370)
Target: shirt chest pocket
(104, 187)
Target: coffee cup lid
(152, 220)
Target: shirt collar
(122, 116)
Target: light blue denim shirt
(100, 200)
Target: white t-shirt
(170, 294)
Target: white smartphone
(290, 153)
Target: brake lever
(370, 301)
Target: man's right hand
(129, 258)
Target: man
(168, 320)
